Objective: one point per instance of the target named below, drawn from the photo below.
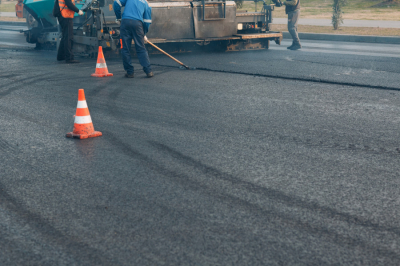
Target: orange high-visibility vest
(65, 11)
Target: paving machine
(177, 26)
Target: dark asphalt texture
(202, 167)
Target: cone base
(84, 136)
(102, 75)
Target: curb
(345, 38)
(13, 23)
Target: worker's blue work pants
(133, 29)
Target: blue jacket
(134, 9)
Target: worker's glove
(145, 39)
(278, 3)
(118, 21)
(80, 13)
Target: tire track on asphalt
(115, 110)
(96, 90)
(311, 142)
(76, 249)
(16, 81)
(68, 244)
(245, 205)
(20, 84)
(27, 118)
(10, 76)
(12, 247)
(112, 106)
(200, 228)
(272, 193)
(5, 146)
(53, 236)
(67, 79)
(291, 201)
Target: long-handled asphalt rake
(170, 56)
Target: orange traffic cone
(83, 126)
(101, 66)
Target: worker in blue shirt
(135, 23)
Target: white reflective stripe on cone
(101, 65)
(83, 119)
(82, 104)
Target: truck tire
(30, 20)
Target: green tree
(337, 17)
(239, 3)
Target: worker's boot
(150, 75)
(295, 46)
(72, 61)
(290, 47)
(129, 75)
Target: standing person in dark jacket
(68, 10)
(135, 23)
(293, 12)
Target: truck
(177, 26)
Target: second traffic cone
(83, 126)
(101, 66)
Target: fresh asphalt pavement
(257, 158)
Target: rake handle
(167, 54)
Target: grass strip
(7, 6)
(342, 30)
(354, 9)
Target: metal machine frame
(178, 26)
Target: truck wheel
(30, 20)
(39, 46)
(33, 34)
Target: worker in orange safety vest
(65, 10)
